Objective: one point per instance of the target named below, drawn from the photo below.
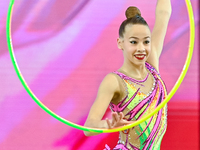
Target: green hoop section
(172, 92)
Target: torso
(137, 98)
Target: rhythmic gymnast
(136, 88)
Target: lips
(140, 56)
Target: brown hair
(133, 16)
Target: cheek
(129, 53)
(148, 49)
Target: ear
(120, 43)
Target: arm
(107, 90)
(163, 13)
(108, 87)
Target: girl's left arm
(163, 13)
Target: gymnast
(135, 89)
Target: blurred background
(64, 49)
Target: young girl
(136, 88)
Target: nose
(141, 48)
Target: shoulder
(111, 85)
(111, 80)
(111, 88)
(108, 89)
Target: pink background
(64, 49)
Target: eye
(147, 42)
(133, 42)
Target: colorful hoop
(176, 86)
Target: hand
(117, 120)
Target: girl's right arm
(109, 88)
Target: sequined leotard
(136, 104)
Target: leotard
(135, 105)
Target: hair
(133, 16)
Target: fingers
(118, 116)
(114, 121)
(121, 115)
(109, 124)
(115, 117)
(117, 120)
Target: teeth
(140, 56)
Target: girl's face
(136, 44)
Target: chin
(139, 63)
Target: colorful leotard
(135, 105)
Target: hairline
(132, 24)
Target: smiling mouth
(140, 56)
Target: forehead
(137, 30)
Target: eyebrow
(138, 38)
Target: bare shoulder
(110, 82)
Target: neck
(134, 71)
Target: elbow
(164, 7)
(164, 14)
(86, 133)
(90, 124)
(90, 133)
(164, 11)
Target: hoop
(172, 92)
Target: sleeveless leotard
(135, 105)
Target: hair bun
(132, 12)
